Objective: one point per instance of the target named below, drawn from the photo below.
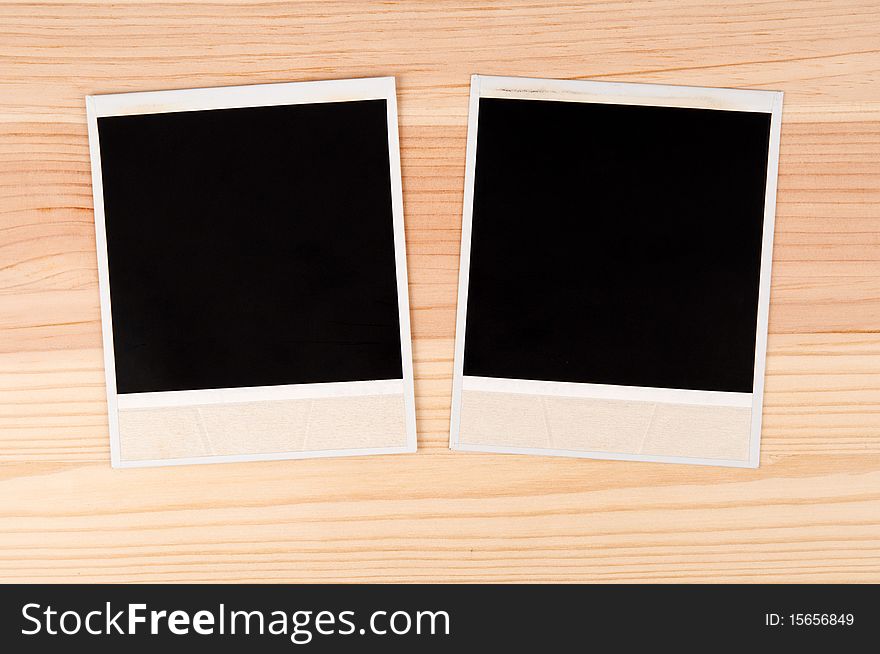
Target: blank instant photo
(615, 270)
(252, 272)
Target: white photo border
(233, 97)
(658, 95)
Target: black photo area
(251, 247)
(616, 244)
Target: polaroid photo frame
(614, 283)
(252, 272)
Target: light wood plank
(810, 513)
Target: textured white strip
(603, 428)
(236, 97)
(277, 429)
(607, 392)
(259, 393)
(655, 95)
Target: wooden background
(810, 513)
